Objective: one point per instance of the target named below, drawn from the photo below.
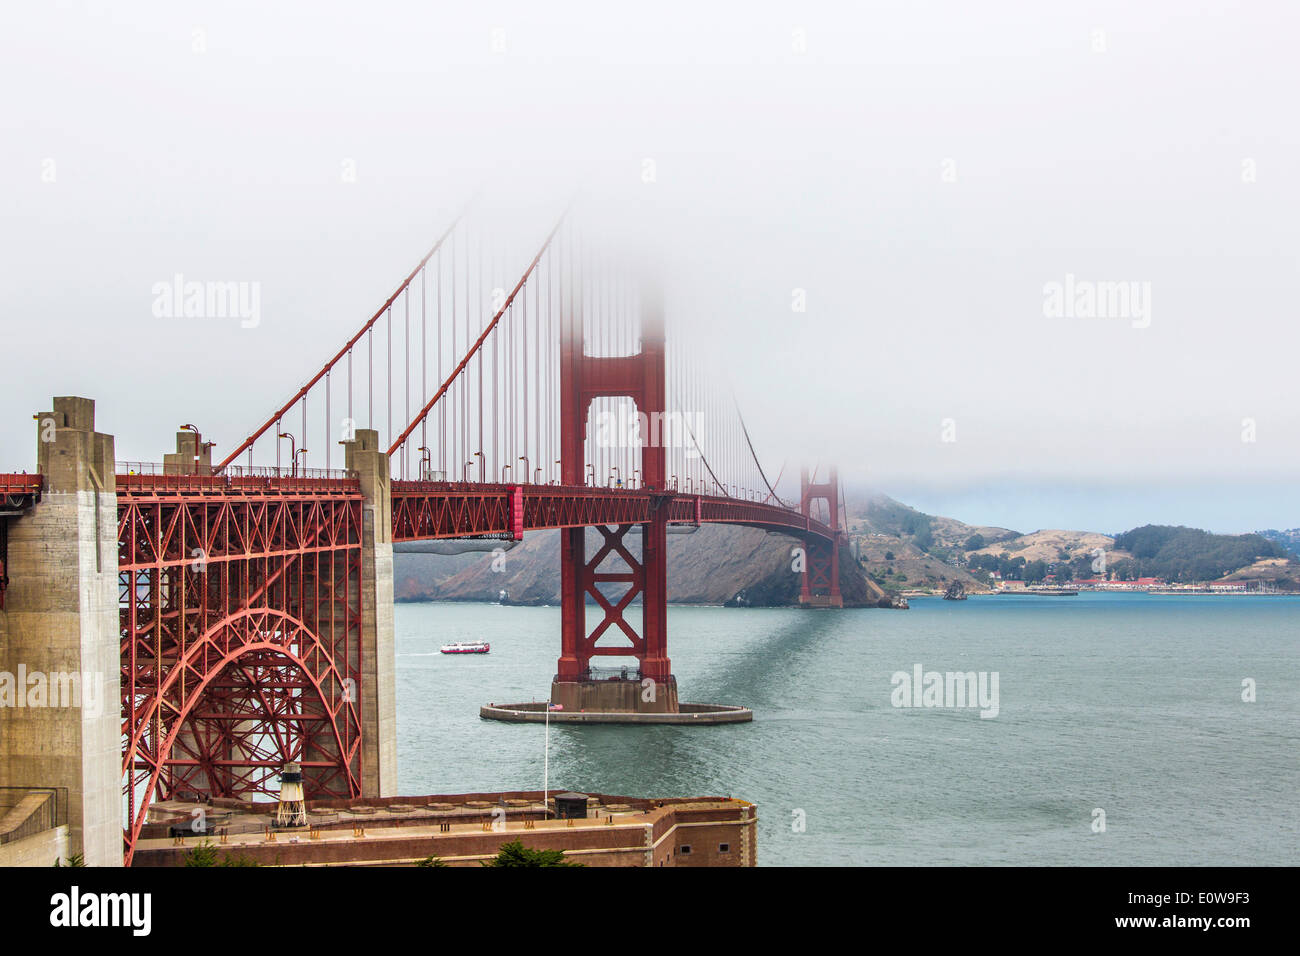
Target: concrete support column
(61, 722)
(378, 690)
(654, 598)
(193, 456)
(573, 598)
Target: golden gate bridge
(495, 392)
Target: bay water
(1122, 735)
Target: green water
(1131, 704)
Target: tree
(975, 542)
(1189, 554)
(205, 854)
(432, 861)
(515, 853)
(889, 556)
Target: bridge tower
(60, 713)
(821, 575)
(583, 378)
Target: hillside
(1289, 539)
(1280, 573)
(1190, 554)
(905, 550)
(714, 565)
(896, 549)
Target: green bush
(205, 854)
(515, 853)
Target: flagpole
(546, 764)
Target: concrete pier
(627, 696)
(695, 715)
(61, 721)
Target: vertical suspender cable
(424, 355)
(388, 324)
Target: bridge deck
(425, 510)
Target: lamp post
(482, 466)
(464, 472)
(293, 453)
(524, 459)
(504, 469)
(426, 462)
(557, 470)
(301, 451)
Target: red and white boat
(467, 647)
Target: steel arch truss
(241, 642)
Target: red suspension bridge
(494, 393)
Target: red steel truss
(432, 509)
(240, 612)
(17, 494)
(240, 604)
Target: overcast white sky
(921, 170)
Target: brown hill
(1056, 545)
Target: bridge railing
(146, 477)
(21, 484)
(607, 673)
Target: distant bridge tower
(584, 378)
(821, 576)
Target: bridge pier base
(617, 695)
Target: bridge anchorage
(238, 617)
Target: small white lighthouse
(292, 809)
